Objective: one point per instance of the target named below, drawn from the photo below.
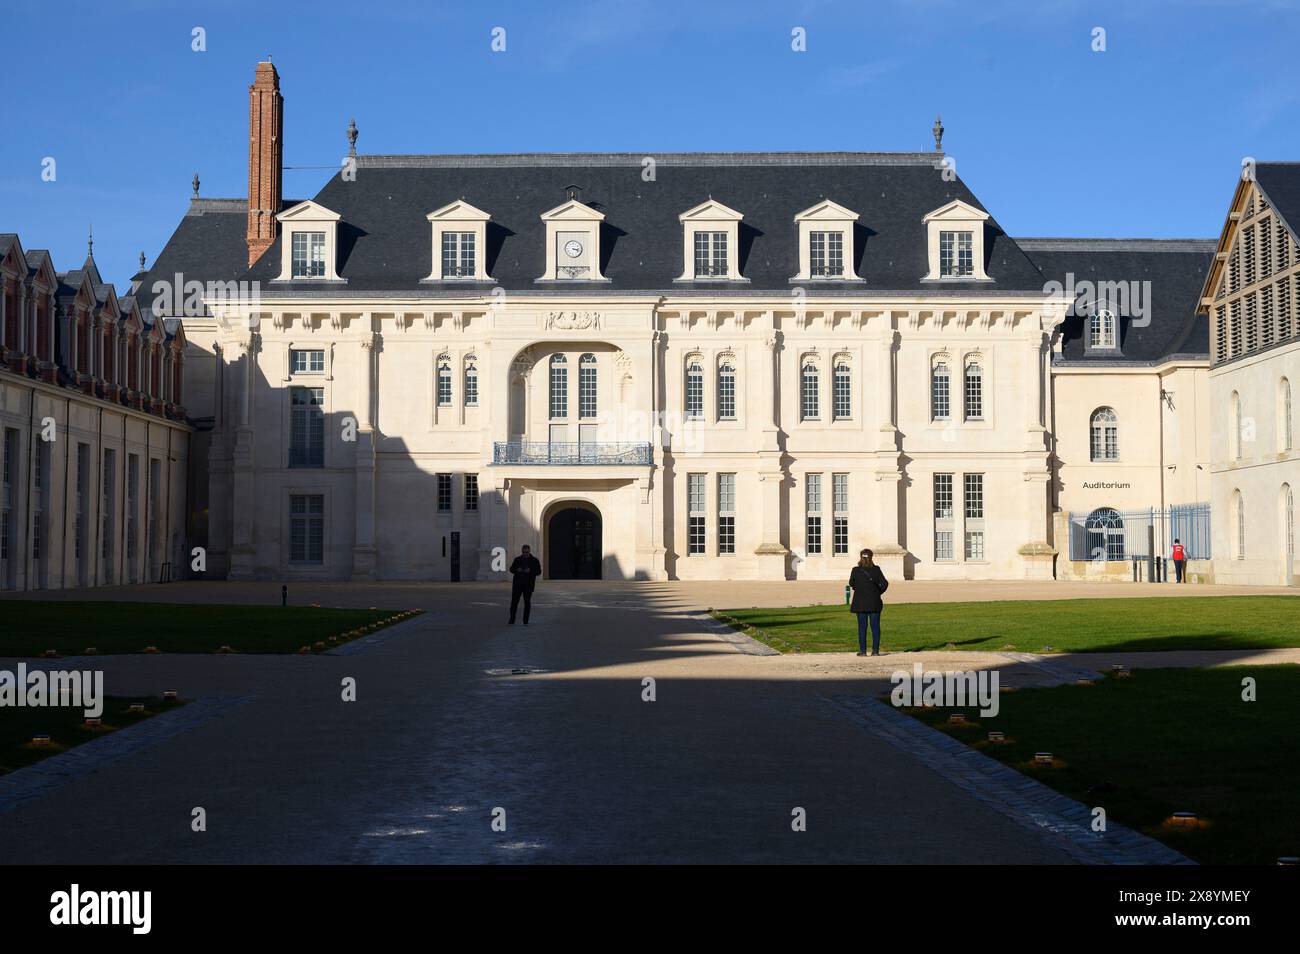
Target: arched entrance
(573, 544)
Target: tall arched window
(1284, 443)
(444, 381)
(1105, 434)
(1101, 329)
(1288, 528)
(1239, 524)
(471, 382)
(1234, 425)
(842, 391)
(587, 386)
(973, 391)
(726, 390)
(694, 390)
(559, 387)
(1105, 530)
(940, 392)
(809, 386)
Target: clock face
(573, 248)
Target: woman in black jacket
(868, 584)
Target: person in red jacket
(1180, 561)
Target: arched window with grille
(809, 386)
(444, 381)
(940, 392)
(471, 382)
(1105, 530)
(1239, 525)
(1287, 502)
(1101, 329)
(587, 386)
(973, 390)
(726, 390)
(559, 387)
(694, 390)
(842, 390)
(1104, 434)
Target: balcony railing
(556, 454)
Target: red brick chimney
(265, 158)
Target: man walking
(1180, 561)
(524, 572)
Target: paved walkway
(444, 732)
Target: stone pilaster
(364, 553)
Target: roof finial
(352, 136)
(142, 260)
(572, 190)
(937, 129)
(90, 241)
(195, 183)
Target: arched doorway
(573, 544)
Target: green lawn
(29, 628)
(65, 725)
(1127, 624)
(1164, 741)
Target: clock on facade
(573, 248)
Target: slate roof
(208, 245)
(1281, 183)
(384, 242)
(1175, 268)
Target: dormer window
(711, 237)
(573, 243)
(459, 240)
(955, 239)
(1101, 329)
(309, 243)
(826, 243)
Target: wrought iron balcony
(560, 454)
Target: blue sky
(1144, 139)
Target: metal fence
(593, 453)
(1121, 535)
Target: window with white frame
(1234, 425)
(813, 514)
(943, 517)
(974, 523)
(1288, 525)
(1104, 428)
(1239, 524)
(559, 385)
(308, 257)
(839, 514)
(940, 392)
(307, 528)
(471, 382)
(444, 381)
(1105, 534)
(444, 493)
(956, 257)
(842, 391)
(711, 255)
(726, 390)
(458, 251)
(809, 391)
(826, 254)
(1284, 416)
(306, 427)
(471, 493)
(587, 386)
(726, 513)
(1101, 329)
(695, 514)
(306, 361)
(694, 390)
(973, 391)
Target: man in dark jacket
(524, 572)
(868, 583)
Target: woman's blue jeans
(874, 620)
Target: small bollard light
(150, 649)
(1288, 860)
(1049, 649)
(956, 718)
(1043, 758)
(1184, 820)
(1116, 667)
(320, 645)
(1083, 681)
(996, 736)
(93, 723)
(284, 595)
(135, 707)
(225, 649)
(91, 650)
(169, 694)
(847, 597)
(40, 740)
(304, 650)
(51, 652)
(1122, 674)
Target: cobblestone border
(1062, 821)
(33, 781)
(739, 641)
(356, 647)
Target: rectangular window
(809, 399)
(726, 513)
(974, 529)
(559, 389)
(710, 254)
(306, 362)
(132, 510)
(586, 388)
(471, 385)
(694, 392)
(840, 514)
(975, 544)
(973, 392)
(306, 427)
(458, 255)
(826, 254)
(955, 254)
(471, 492)
(695, 513)
(106, 513)
(308, 254)
(444, 382)
(813, 514)
(444, 493)
(842, 393)
(943, 517)
(940, 393)
(307, 528)
(10, 464)
(726, 393)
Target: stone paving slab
(1063, 821)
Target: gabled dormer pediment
(309, 243)
(458, 211)
(14, 260)
(573, 243)
(955, 243)
(827, 211)
(573, 210)
(956, 211)
(710, 211)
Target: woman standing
(868, 584)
